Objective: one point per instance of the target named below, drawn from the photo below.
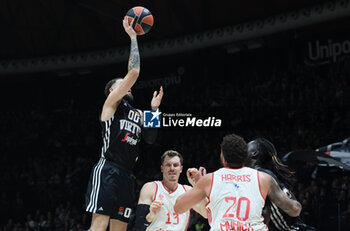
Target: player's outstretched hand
(128, 28)
(194, 174)
(157, 99)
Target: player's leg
(117, 225)
(124, 202)
(99, 196)
(99, 222)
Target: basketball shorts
(110, 191)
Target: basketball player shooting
(111, 187)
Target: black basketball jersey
(121, 136)
(279, 220)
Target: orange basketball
(143, 19)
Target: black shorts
(110, 191)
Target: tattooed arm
(134, 58)
(129, 80)
(277, 196)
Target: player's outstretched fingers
(202, 171)
(191, 172)
(161, 93)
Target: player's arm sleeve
(150, 135)
(146, 194)
(140, 218)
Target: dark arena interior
(273, 69)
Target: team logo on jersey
(151, 118)
(121, 210)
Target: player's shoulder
(265, 178)
(148, 192)
(264, 175)
(150, 186)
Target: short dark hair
(234, 149)
(171, 153)
(109, 85)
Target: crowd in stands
(48, 155)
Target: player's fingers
(159, 206)
(125, 22)
(154, 94)
(132, 22)
(194, 171)
(188, 174)
(202, 171)
(157, 202)
(191, 171)
(161, 92)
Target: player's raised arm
(121, 88)
(193, 176)
(194, 196)
(150, 134)
(199, 207)
(157, 98)
(277, 196)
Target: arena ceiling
(49, 27)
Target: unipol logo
(330, 50)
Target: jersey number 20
(240, 208)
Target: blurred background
(273, 69)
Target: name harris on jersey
(236, 178)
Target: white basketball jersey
(167, 219)
(235, 200)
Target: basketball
(143, 19)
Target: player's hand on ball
(157, 99)
(128, 28)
